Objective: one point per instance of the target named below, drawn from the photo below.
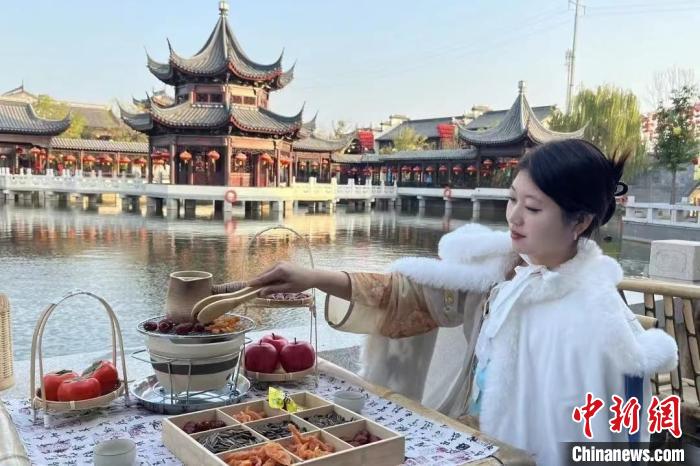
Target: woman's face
(537, 225)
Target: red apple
(261, 357)
(297, 356)
(277, 341)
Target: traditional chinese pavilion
(219, 129)
(486, 154)
(500, 147)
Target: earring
(575, 236)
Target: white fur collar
(474, 257)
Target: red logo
(626, 415)
(665, 415)
(662, 415)
(586, 412)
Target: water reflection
(126, 258)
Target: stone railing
(73, 184)
(79, 184)
(684, 215)
(365, 191)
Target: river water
(46, 251)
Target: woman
(556, 327)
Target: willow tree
(613, 122)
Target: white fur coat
(569, 334)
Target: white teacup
(354, 401)
(116, 452)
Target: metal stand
(313, 324)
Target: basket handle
(38, 336)
(282, 227)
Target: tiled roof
(160, 98)
(318, 144)
(412, 155)
(99, 145)
(265, 121)
(96, 116)
(19, 118)
(492, 118)
(519, 122)
(221, 54)
(191, 115)
(426, 127)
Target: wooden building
(219, 129)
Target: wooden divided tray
(388, 449)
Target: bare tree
(664, 83)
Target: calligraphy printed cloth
(71, 439)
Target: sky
(356, 61)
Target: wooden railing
(680, 325)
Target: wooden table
(12, 452)
(505, 455)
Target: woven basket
(7, 378)
(39, 402)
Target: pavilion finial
(223, 8)
(521, 87)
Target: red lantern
(70, 158)
(314, 164)
(19, 150)
(106, 159)
(417, 169)
(89, 159)
(353, 170)
(513, 162)
(487, 163)
(241, 157)
(185, 156)
(265, 157)
(457, 169)
(338, 169)
(471, 169)
(158, 162)
(405, 168)
(34, 151)
(324, 162)
(442, 169)
(430, 169)
(213, 155)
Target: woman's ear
(582, 224)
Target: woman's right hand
(284, 277)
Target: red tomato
(53, 379)
(80, 388)
(105, 373)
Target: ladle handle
(218, 308)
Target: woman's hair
(579, 178)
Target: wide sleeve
(395, 306)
